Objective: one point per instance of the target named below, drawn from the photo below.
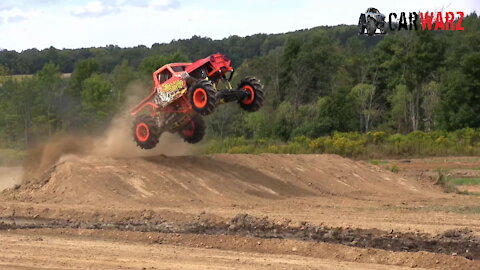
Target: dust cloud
(45, 155)
(10, 176)
(116, 141)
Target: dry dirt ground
(237, 212)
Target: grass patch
(466, 192)
(453, 159)
(461, 209)
(464, 209)
(378, 162)
(450, 185)
(465, 181)
(394, 169)
(462, 182)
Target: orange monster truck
(185, 92)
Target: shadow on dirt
(237, 172)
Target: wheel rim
(200, 98)
(249, 100)
(189, 129)
(143, 132)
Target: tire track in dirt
(455, 242)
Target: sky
(95, 23)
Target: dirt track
(333, 212)
(28, 251)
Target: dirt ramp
(328, 174)
(213, 179)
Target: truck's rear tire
(371, 27)
(255, 101)
(382, 28)
(146, 132)
(202, 97)
(194, 131)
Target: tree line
(317, 81)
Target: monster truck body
(185, 92)
(370, 21)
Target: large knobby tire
(202, 97)
(146, 132)
(361, 27)
(371, 27)
(255, 101)
(194, 131)
(382, 28)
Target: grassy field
(465, 181)
(454, 174)
(460, 185)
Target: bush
(446, 185)
(357, 145)
(394, 169)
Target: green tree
(22, 97)
(430, 104)
(11, 124)
(399, 114)
(83, 70)
(120, 78)
(50, 87)
(3, 71)
(283, 122)
(96, 99)
(363, 95)
(460, 95)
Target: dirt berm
(222, 179)
(314, 206)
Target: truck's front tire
(202, 97)
(254, 101)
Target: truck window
(179, 68)
(164, 76)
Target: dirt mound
(212, 179)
